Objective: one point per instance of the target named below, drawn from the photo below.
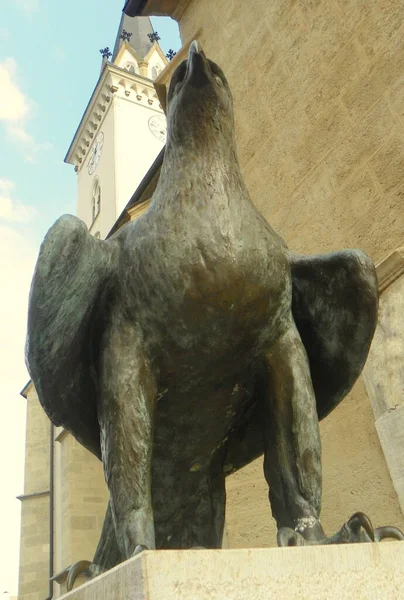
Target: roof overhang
(158, 8)
(133, 8)
(27, 387)
(143, 193)
(97, 108)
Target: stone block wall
(34, 552)
(34, 549)
(384, 370)
(318, 91)
(81, 498)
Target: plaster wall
(156, 61)
(318, 92)
(127, 58)
(105, 173)
(135, 146)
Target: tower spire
(137, 32)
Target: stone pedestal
(360, 571)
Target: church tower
(123, 128)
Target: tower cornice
(114, 82)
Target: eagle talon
(360, 521)
(289, 537)
(388, 532)
(140, 548)
(358, 529)
(82, 567)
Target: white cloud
(10, 210)
(17, 258)
(26, 142)
(15, 109)
(14, 106)
(20, 134)
(28, 6)
(6, 186)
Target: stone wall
(318, 91)
(355, 477)
(34, 549)
(384, 370)
(81, 498)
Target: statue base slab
(360, 571)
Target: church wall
(155, 61)
(355, 478)
(105, 173)
(127, 60)
(137, 147)
(34, 548)
(384, 370)
(318, 90)
(81, 498)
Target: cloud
(28, 7)
(11, 211)
(14, 106)
(17, 258)
(26, 142)
(15, 109)
(20, 134)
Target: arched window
(96, 199)
(155, 71)
(130, 67)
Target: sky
(49, 65)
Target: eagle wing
(67, 307)
(334, 305)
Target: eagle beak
(195, 48)
(198, 71)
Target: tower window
(131, 68)
(96, 199)
(155, 71)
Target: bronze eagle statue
(193, 341)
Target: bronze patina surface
(193, 341)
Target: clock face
(95, 153)
(158, 127)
